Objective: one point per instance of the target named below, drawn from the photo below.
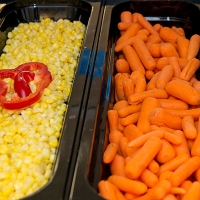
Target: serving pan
(88, 13)
(89, 167)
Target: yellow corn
(29, 137)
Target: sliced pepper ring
(22, 75)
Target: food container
(88, 13)
(89, 167)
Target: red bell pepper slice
(22, 75)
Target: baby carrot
(165, 175)
(112, 119)
(154, 50)
(197, 175)
(166, 152)
(122, 26)
(184, 171)
(149, 74)
(195, 151)
(168, 50)
(143, 32)
(148, 178)
(139, 97)
(134, 17)
(162, 62)
(122, 145)
(170, 197)
(196, 84)
(122, 66)
(139, 81)
(144, 54)
(173, 61)
(115, 136)
(129, 109)
(189, 70)
(185, 185)
(119, 195)
(153, 166)
(127, 185)
(120, 104)
(162, 128)
(164, 76)
(128, 87)
(161, 117)
(157, 27)
(143, 157)
(182, 45)
(130, 119)
(169, 35)
(173, 104)
(154, 39)
(179, 30)
(117, 166)
(187, 92)
(130, 196)
(110, 152)
(177, 190)
(130, 32)
(181, 148)
(194, 45)
(152, 83)
(131, 132)
(140, 141)
(106, 190)
(193, 192)
(126, 17)
(172, 138)
(189, 128)
(133, 59)
(146, 24)
(148, 105)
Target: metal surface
(89, 167)
(88, 13)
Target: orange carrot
(149, 74)
(193, 192)
(143, 32)
(173, 61)
(172, 138)
(128, 87)
(115, 136)
(117, 166)
(123, 145)
(122, 66)
(189, 128)
(131, 132)
(197, 174)
(133, 59)
(119, 195)
(154, 39)
(195, 151)
(148, 105)
(130, 32)
(106, 190)
(130, 119)
(143, 157)
(110, 152)
(161, 117)
(154, 50)
(166, 152)
(122, 26)
(148, 178)
(165, 175)
(184, 171)
(139, 97)
(157, 27)
(129, 109)
(113, 119)
(183, 147)
(164, 76)
(177, 190)
(169, 35)
(185, 185)
(153, 166)
(126, 17)
(127, 185)
(196, 84)
(120, 104)
(140, 141)
(194, 45)
(146, 24)
(182, 45)
(130, 196)
(189, 70)
(179, 30)
(168, 50)
(170, 197)
(162, 62)
(162, 128)
(144, 54)
(139, 81)
(152, 83)
(173, 104)
(187, 92)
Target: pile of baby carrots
(154, 114)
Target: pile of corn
(29, 137)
